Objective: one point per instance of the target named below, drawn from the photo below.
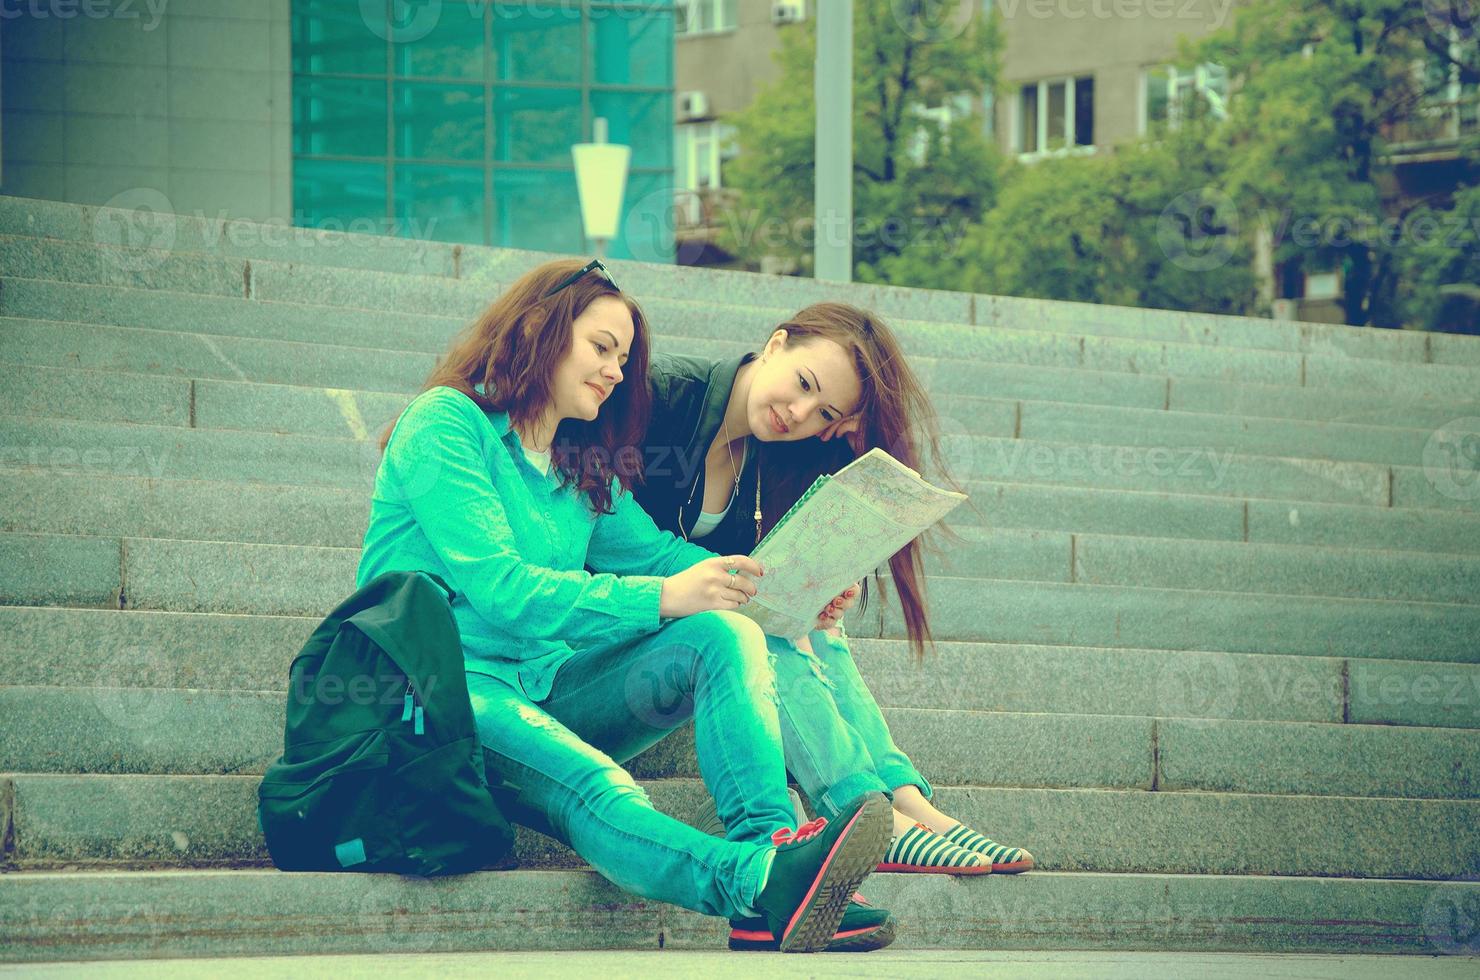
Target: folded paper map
(845, 526)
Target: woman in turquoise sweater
(505, 477)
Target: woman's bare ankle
(909, 801)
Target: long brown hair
(895, 415)
(513, 348)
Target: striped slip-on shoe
(1004, 859)
(921, 851)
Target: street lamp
(601, 178)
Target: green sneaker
(863, 929)
(818, 868)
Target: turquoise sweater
(455, 495)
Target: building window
(1056, 115)
(1174, 94)
(959, 105)
(704, 17)
(458, 127)
(700, 149)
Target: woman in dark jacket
(732, 445)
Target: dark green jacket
(689, 397)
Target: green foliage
(1441, 271)
(1322, 83)
(906, 213)
(1302, 161)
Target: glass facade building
(454, 120)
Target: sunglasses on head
(596, 264)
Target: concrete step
(1321, 404)
(251, 240)
(158, 731)
(191, 576)
(144, 232)
(57, 499)
(108, 448)
(140, 567)
(112, 648)
(249, 912)
(201, 821)
(1124, 616)
(493, 267)
(150, 399)
(206, 348)
(221, 316)
(222, 652)
(362, 289)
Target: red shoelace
(806, 831)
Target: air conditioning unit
(788, 11)
(692, 105)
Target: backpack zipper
(408, 713)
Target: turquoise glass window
(454, 121)
(451, 48)
(538, 209)
(536, 125)
(331, 193)
(339, 116)
(441, 203)
(439, 122)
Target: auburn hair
(513, 348)
(895, 415)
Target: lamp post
(832, 242)
(601, 178)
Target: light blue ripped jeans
(607, 705)
(836, 740)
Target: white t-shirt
(539, 460)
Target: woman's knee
(727, 641)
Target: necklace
(736, 491)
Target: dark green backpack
(382, 768)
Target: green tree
(1320, 87)
(1442, 270)
(1134, 227)
(915, 185)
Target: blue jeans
(607, 705)
(836, 740)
